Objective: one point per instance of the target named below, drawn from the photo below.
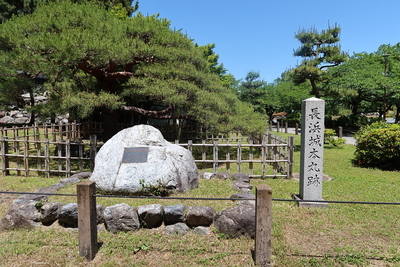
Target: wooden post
(190, 146)
(68, 158)
(228, 158)
(47, 157)
(203, 156)
(26, 155)
(262, 252)
(4, 158)
(92, 151)
(215, 156)
(291, 156)
(239, 157)
(286, 127)
(297, 129)
(87, 219)
(251, 157)
(340, 132)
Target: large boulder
(151, 216)
(121, 218)
(199, 216)
(138, 159)
(68, 215)
(24, 212)
(237, 221)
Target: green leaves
(378, 146)
(319, 51)
(93, 58)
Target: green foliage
(9, 8)
(319, 50)
(378, 146)
(361, 84)
(350, 122)
(293, 118)
(329, 138)
(94, 60)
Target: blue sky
(259, 34)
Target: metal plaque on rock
(135, 154)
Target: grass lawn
(341, 235)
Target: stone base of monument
(311, 204)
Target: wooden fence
(59, 150)
(273, 152)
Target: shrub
(378, 146)
(329, 138)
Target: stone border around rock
(31, 211)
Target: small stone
(176, 229)
(201, 230)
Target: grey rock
(21, 120)
(50, 189)
(201, 230)
(100, 213)
(174, 214)
(68, 215)
(7, 119)
(101, 227)
(21, 214)
(151, 216)
(70, 180)
(243, 195)
(243, 187)
(200, 216)
(121, 218)
(207, 175)
(222, 176)
(167, 165)
(32, 197)
(14, 113)
(236, 221)
(49, 212)
(82, 175)
(244, 177)
(176, 229)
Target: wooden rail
(59, 149)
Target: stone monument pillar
(312, 151)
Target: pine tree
(319, 50)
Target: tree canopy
(319, 51)
(9, 8)
(367, 82)
(94, 60)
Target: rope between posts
(204, 198)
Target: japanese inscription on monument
(312, 142)
(135, 154)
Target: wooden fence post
(26, 155)
(4, 158)
(340, 135)
(68, 157)
(291, 156)
(262, 251)
(215, 156)
(87, 219)
(92, 151)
